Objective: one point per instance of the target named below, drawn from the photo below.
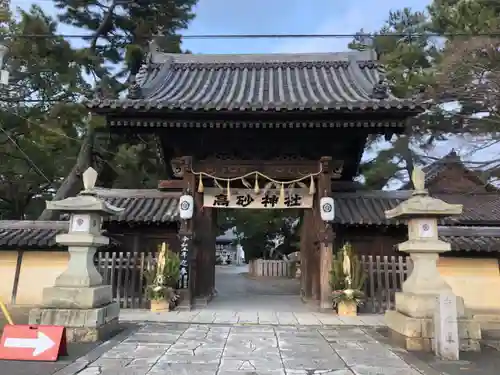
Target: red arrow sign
(32, 343)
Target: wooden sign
(186, 241)
(246, 198)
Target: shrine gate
(262, 131)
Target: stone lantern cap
(421, 205)
(87, 201)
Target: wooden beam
(306, 253)
(17, 273)
(171, 184)
(326, 241)
(279, 169)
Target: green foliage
(408, 61)
(464, 17)
(172, 269)
(258, 231)
(122, 30)
(161, 281)
(350, 295)
(439, 70)
(409, 64)
(47, 84)
(35, 134)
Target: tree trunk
(408, 158)
(72, 183)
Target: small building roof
(471, 238)
(435, 170)
(30, 234)
(478, 228)
(259, 82)
(368, 207)
(142, 205)
(145, 206)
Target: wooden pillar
(326, 238)
(315, 261)
(305, 255)
(215, 232)
(187, 236)
(202, 223)
(206, 253)
(314, 239)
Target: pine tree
(442, 70)
(41, 71)
(120, 31)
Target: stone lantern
(412, 321)
(78, 300)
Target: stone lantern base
(82, 325)
(411, 325)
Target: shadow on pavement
(486, 362)
(75, 351)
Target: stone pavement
(196, 349)
(263, 317)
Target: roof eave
(403, 110)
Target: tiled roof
(471, 238)
(434, 170)
(142, 205)
(260, 82)
(30, 234)
(41, 235)
(368, 207)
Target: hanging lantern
(186, 207)
(327, 209)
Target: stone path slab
(265, 317)
(197, 349)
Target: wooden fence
(125, 272)
(385, 276)
(270, 268)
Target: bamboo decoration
(200, 185)
(312, 188)
(160, 263)
(228, 192)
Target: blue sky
(277, 16)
